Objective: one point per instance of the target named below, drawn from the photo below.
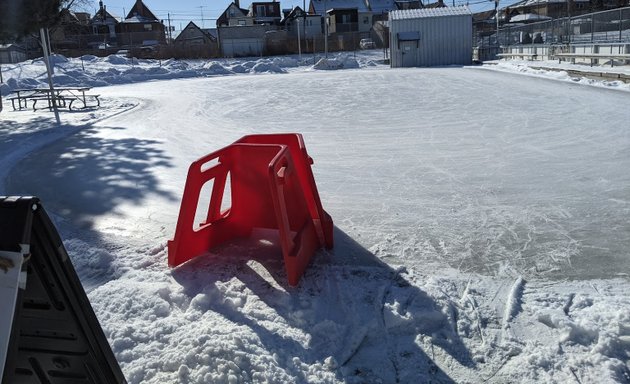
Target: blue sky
(183, 11)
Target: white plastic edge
(10, 281)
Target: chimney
(237, 3)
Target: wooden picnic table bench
(59, 97)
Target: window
(241, 22)
(260, 10)
(345, 19)
(366, 20)
(148, 27)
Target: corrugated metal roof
(428, 12)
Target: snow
(481, 218)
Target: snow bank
(558, 71)
(344, 62)
(90, 70)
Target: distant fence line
(611, 26)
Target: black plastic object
(56, 337)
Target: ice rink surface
(481, 225)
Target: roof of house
(437, 4)
(319, 5)
(483, 16)
(529, 17)
(428, 12)
(104, 14)
(382, 6)
(140, 13)
(529, 3)
(225, 15)
(208, 32)
(11, 47)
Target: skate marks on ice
(535, 331)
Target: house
(319, 7)
(484, 23)
(309, 25)
(140, 28)
(71, 32)
(380, 8)
(266, 13)
(438, 4)
(234, 15)
(343, 20)
(553, 9)
(194, 42)
(408, 4)
(254, 32)
(104, 26)
(12, 53)
(430, 37)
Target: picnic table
(59, 97)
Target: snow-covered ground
(481, 219)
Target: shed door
(409, 51)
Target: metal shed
(430, 37)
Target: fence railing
(611, 26)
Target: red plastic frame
(272, 186)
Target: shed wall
(445, 40)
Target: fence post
(620, 23)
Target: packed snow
(481, 218)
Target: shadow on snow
(84, 176)
(355, 308)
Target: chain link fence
(611, 26)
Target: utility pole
(170, 34)
(201, 10)
(53, 98)
(299, 40)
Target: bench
(20, 100)
(84, 99)
(67, 101)
(593, 56)
(60, 100)
(530, 56)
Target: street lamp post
(325, 30)
(299, 39)
(496, 16)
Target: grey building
(430, 37)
